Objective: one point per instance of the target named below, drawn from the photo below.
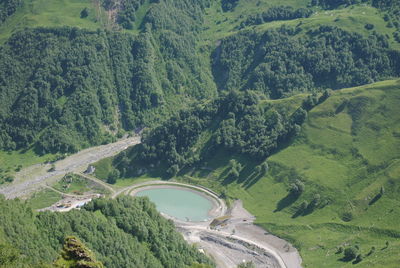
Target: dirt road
(32, 178)
(239, 239)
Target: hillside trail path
(30, 179)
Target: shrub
(350, 253)
(113, 176)
(9, 179)
(369, 26)
(84, 13)
(347, 216)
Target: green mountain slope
(130, 64)
(63, 89)
(235, 95)
(347, 151)
(335, 184)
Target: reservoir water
(179, 203)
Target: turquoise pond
(179, 203)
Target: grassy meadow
(347, 150)
(44, 198)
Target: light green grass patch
(344, 162)
(44, 198)
(55, 13)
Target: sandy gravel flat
(34, 177)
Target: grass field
(220, 24)
(75, 184)
(35, 13)
(11, 162)
(347, 150)
(44, 198)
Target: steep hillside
(287, 61)
(124, 65)
(125, 232)
(336, 185)
(239, 122)
(243, 96)
(347, 153)
(63, 89)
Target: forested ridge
(280, 62)
(63, 89)
(126, 232)
(237, 122)
(236, 95)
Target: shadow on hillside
(376, 198)
(347, 259)
(252, 179)
(227, 179)
(286, 202)
(298, 213)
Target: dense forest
(214, 85)
(276, 13)
(64, 88)
(239, 122)
(282, 62)
(7, 8)
(126, 232)
(332, 4)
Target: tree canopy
(126, 232)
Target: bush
(173, 170)
(297, 188)
(264, 168)
(113, 176)
(369, 26)
(371, 251)
(350, 253)
(347, 216)
(315, 202)
(84, 13)
(9, 179)
(235, 168)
